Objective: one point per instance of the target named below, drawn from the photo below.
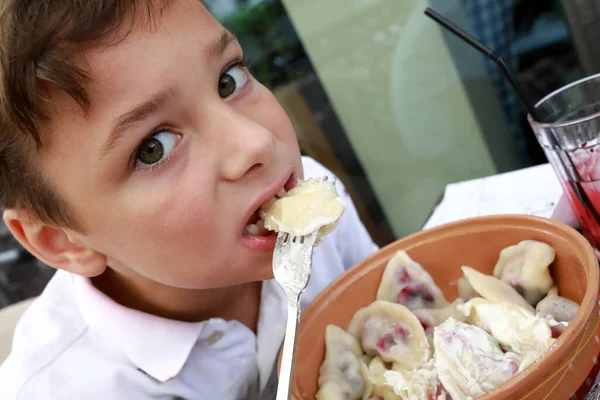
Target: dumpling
(525, 267)
(406, 282)
(332, 391)
(432, 317)
(391, 332)
(366, 359)
(559, 308)
(375, 383)
(515, 329)
(558, 328)
(340, 375)
(558, 311)
(469, 311)
(465, 290)
(494, 290)
(469, 361)
(312, 206)
(418, 384)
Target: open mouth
(255, 225)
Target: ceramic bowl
(477, 243)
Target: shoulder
(314, 169)
(78, 372)
(50, 328)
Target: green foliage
(269, 41)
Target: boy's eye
(155, 148)
(232, 80)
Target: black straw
(575, 180)
(495, 57)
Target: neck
(240, 302)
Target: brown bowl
(443, 250)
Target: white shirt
(75, 343)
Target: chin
(259, 271)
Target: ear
(54, 246)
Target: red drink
(571, 141)
(589, 226)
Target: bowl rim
(555, 353)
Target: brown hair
(39, 43)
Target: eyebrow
(157, 101)
(218, 47)
(137, 114)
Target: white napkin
(563, 212)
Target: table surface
(531, 191)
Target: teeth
(251, 229)
(282, 192)
(255, 229)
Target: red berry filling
(400, 333)
(426, 323)
(514, 367)
(385, 342)
(403, 276)
(557, 330)
(439, 390)
(414, 291)
(451, 336)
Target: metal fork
(594, 393)
(292, 261)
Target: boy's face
(179, 149)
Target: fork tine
(281, 240)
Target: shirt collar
(158, 346)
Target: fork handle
(289, 351)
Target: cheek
(166, 245)
(161, 229)
(182, 219)
(269, 113)
(184, 215)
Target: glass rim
(537, 124)
(570, 151)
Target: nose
(247, 145)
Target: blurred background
(394, 106)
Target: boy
(136, 148)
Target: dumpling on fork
(524, 266)
(406, 282)
(312, 206)
(392, 332)
(340, 374)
